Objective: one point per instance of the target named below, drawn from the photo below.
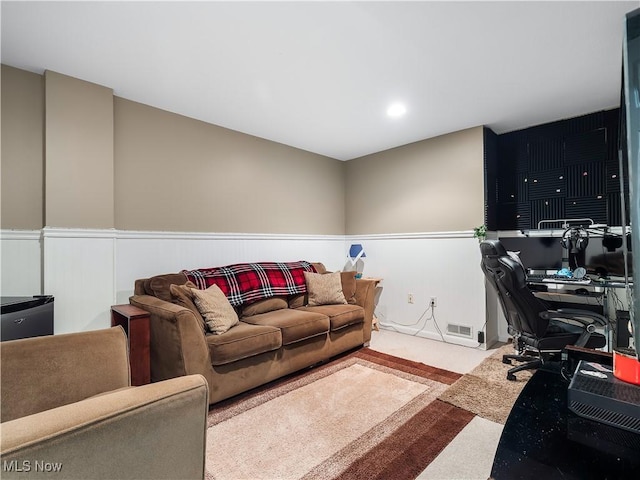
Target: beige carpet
(366, 415)
(485, 390)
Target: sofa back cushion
(138, 288)
(298, 300)
(349, 286)
(320, 268)
(42, 373)
(183, 296)
(159, 285)
(264, 306)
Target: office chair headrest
(492, 248)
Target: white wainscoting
(21, 262)
(143, 254)
(79, 273)
(89, 270)
(445, 265)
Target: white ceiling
(320, 75)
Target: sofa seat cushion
(340, 316)
(295, 325)
(243, 341)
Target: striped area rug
(366, 415)
(486, 391)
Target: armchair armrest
(153, 431)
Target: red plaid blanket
(250, 282)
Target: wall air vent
(460, 330)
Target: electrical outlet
(433, 302)
(410, 298)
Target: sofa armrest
(178, 345)
(42, 373)
(365, 297)
(153, 431)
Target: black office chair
(539, 333)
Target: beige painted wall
(179, 174)
(116, 163)
(22, 150)
(78, 153)
(435, 185)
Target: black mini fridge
(24, 317)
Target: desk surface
(587, 281)
(535, 441)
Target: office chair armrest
(586, 318)
(596, 317)
(575, 314)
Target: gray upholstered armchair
(68, 411)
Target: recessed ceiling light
(396, 110)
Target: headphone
(575, 239)
(611, 242)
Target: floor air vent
(460, 330)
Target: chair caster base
(511, 377)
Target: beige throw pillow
(324, 289)
(215, 308)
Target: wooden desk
(135, 322)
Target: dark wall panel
(523, 216)
(545, 154)
(586, 180)
(586, 207)
(586, 147)
(559, 170)
(546, 184)
(613, 177)
(614, 208)
(549, 209)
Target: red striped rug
(365, 415)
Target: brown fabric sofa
(274, 337)
(68, 411)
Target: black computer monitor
(630, 146)
(604, 256)
(536, 253)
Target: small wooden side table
(135, 322)
(374, 323)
